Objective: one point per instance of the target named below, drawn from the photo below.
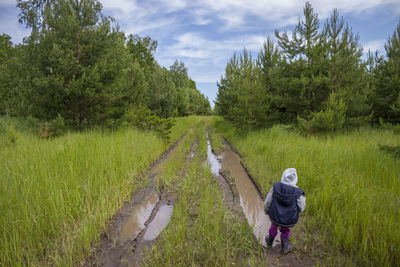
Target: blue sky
(204, 34)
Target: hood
(289, 177)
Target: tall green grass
(174, 165)
(352, 187)
(202, 232)
(56, 195)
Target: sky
(204, 34)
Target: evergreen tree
(163, 94)
(241, 96)
(78, 57)
(303, 85)
(346, 69)
(6, 55)
(386, 95)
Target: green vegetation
(316, 79)
(202, 231)
(86, 110)
(79, 68)
(216, 141)
(352, 187)
(56, 195)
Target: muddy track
(244, 206)
(119, 244)
(227, 143)
(167, 201)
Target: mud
(225, 185)
(250, 200)
(228, 165)
(212, 159)
(130, 222)
(158, 220)
(136, 222)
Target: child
(283, 204)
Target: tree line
(79, 67)
(315, 78)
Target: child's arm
(268, 200)
(301, 203)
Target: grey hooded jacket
(289, 177)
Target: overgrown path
(198, 207)
(236, 183)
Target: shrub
(141, 117)
(331, 119)
(54, 128)
(394, 150)
(8, 135)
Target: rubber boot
(269, 241)
(286, 247)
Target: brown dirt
(138, 252)
(228, 188)
(114, 252)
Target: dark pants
(273, 231)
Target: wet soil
(239, 188)
(158, 220)
(139, 222)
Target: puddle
(213, 161)
(140, 214)
(142, 211)
(250, 200)
(158, 224)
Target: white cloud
(286, 12)
(374, 45)
(123, 6)
(194, 42)
(206, 58)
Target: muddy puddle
(212, 159)
(136, 221)
(158, 224)
(250, 200)
(142, 212)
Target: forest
(316, 79)
(77, 69)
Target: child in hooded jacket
(283, 204)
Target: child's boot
(286, 247)
(269, 240)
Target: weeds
(352, 187)
(202, 232)
(56, 195)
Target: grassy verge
(216, 141)
(175, 163)
(202, 232)
(56, 195)
(352, 187)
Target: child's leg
(273, 230)
(285, 232)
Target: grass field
(352, 187)
(56, 195)
(202, 232)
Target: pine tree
(6, 54)
(386, 95)
(346, 70)
(303, 85)
(79, 57)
